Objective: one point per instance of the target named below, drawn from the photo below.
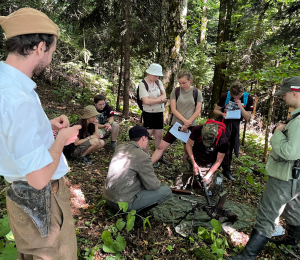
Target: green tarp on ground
(175, 208)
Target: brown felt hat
(27, 21)
(89, 111)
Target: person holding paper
(186, 103)
(238, 104)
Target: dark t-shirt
(90, 131)
(202, 156)
(233, 106)
(106, 113)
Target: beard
(39, 68)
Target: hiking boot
(291, 237)
(113, 145)
(84, 159)
(162, 160)
(156, 165)
(255, 244)
(227, 175)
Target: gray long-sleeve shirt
(130, 171)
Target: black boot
(292, 237)
(255, 244)
(163, 160)
(227, 175)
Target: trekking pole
(202, 184)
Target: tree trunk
(126, 60)
(244, 133)
(120, 79)
(269, 122)
(171, 34)
(217, 79)
(203, 24)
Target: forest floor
(92, 216)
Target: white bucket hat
(155, 69)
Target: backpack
(177, 93)
(246, 95)
(140, 101)
(221, 130)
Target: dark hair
(99, 98)
(24, 44)
(136, 139)
(86, 128)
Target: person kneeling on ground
(88, 140)
(206, 151)
(131, 177)
(106, 123)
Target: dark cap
(289, 84)
(138, 131)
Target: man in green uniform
(282, 192)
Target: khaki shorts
(105, 133)
(80, 149)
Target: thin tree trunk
(171, 34)
(126, 60)
(120, 80)
(217, 80)
(268, 122)
(244, 133)
(203, 24)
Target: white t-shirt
(153, 92)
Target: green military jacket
(285, 150)
(129, 172)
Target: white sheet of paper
(279, 231)
(234, 114)
(178, 134)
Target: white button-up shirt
(25, 131)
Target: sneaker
(162, 160)
(113, 145)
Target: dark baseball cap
(289, 84)
(138, 131)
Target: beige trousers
(60, 244)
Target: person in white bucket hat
(154, 69)
(153, 95)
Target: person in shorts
(106, 124)
(184, 112)
(153, 103)
(89, 140)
